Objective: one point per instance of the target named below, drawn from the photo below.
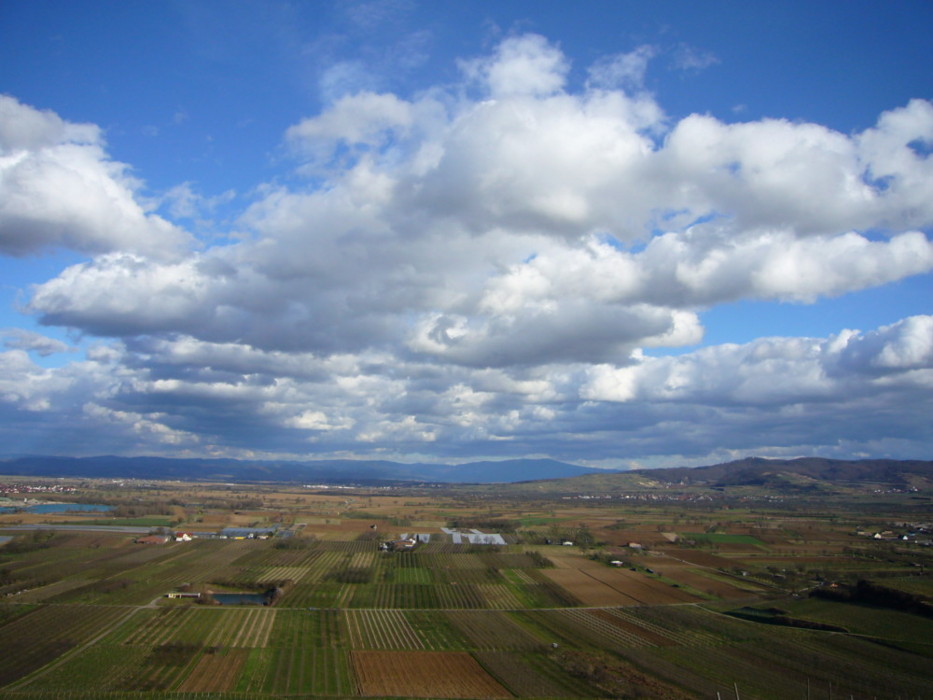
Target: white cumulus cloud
(481, 266)
(58, 188)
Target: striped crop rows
(381, 629)
(33, 639)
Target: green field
(722, 538)
(129, 522)
(880, 623)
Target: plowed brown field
(642, 588)
(215, 673)
(587, 589)
(424, 674)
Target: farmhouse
(417, 537)
(152, 539)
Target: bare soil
(424, 674)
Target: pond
(46, 508)
(243, 598)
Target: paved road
(122, 529)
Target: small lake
(243, 598)
(47, 508)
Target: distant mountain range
(804, 474)
(311, 472)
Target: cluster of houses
(7, 489)
(917, 533)
(228, 533)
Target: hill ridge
(797, 474)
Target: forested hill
(809, 475)
(754, 471)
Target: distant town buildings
(18, 489)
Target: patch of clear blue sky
(864, 310)
(202, 91)
(16, 278)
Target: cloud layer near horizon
(475, 271)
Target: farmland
(678, 599)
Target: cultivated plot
(421, 674)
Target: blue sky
(630, 234)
